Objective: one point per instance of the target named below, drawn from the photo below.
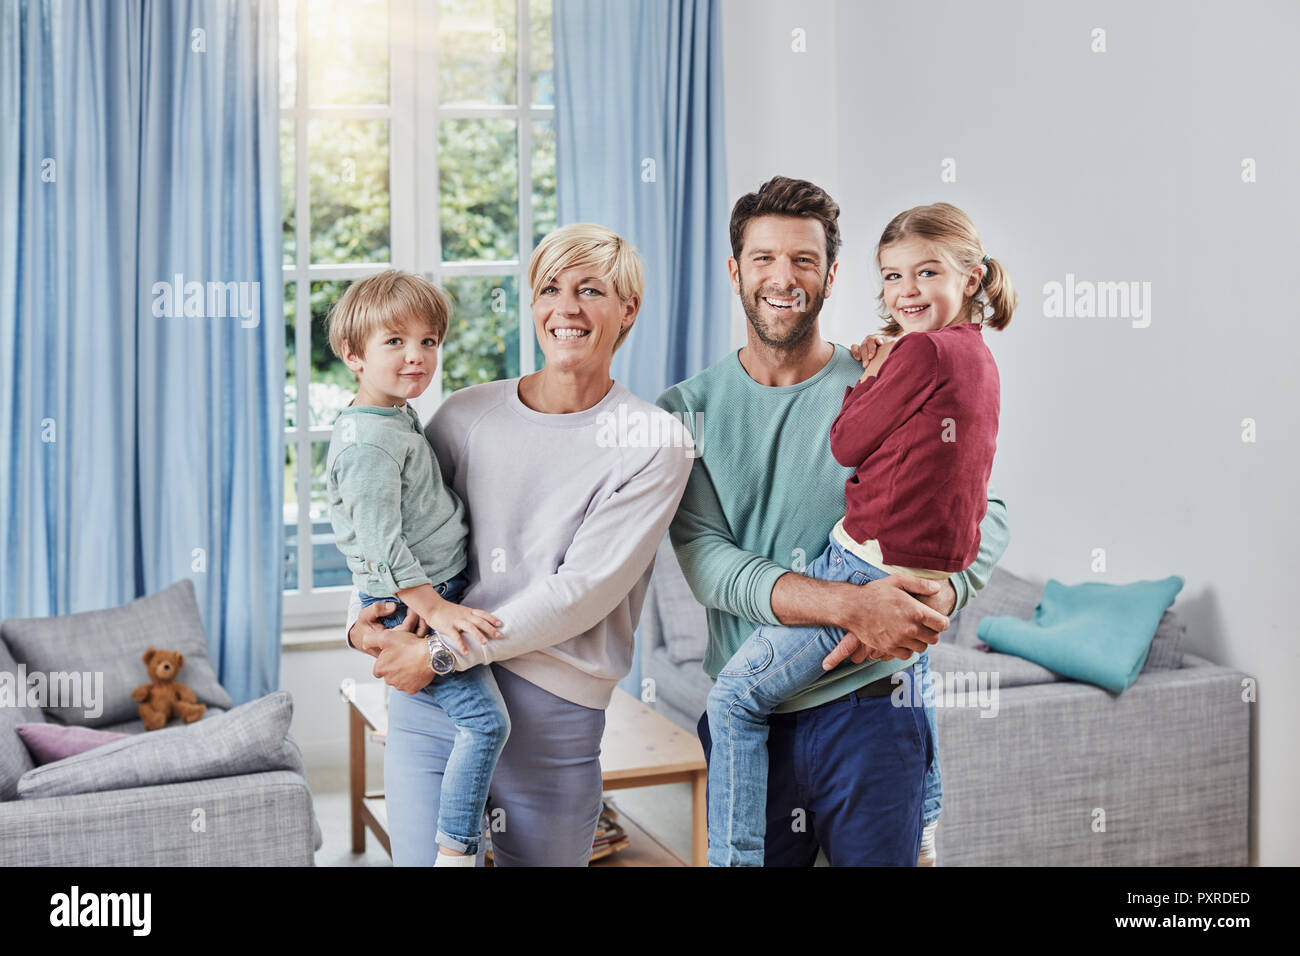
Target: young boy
(403, 531)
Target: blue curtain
(639, 148)
(141, 328)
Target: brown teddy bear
(165, 696)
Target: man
(846, 767)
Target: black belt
(881, 687)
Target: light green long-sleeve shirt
(394, 520)
(763, 495)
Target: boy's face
(398, 364)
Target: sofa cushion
(50, 742)
(252, 738)
(1100, 633)
(112, 642)
(681, 622)
(14, 758)
(1009, 595)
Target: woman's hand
(404, 662)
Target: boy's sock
(448, 859)
(928, 856)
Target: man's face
(782, 278)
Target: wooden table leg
(357, 777)
(699, 820)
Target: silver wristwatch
(441, 660)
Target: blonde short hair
(611, 257)
(390, 299)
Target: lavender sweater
(565, 515)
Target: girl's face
(923, 291)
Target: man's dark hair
(783, 196)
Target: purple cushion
(50, 742)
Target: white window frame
(415, 230)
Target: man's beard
(765, 333)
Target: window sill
(312, 639)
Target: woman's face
(578, 318)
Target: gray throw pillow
(15, 760)
(682, 621)
(252, 738)
(111, 643)
(1166, 652)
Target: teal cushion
(1099, 633)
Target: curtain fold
(640, 149)
(141, 328)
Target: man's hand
(894, 617)
(865, 352)
(369, 634)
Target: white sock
(447, 859)
(927, 839)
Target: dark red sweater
(922, 435)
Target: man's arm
(995, 535)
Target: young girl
(920, 429)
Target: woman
(564, 525)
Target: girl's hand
(451, 619)
(865, 352)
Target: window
(417, 134)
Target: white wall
(1115, 166)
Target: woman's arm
(608, 555)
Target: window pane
(290, 516)
(288, 52)
(329, 567)
(483, 340)
(476, 52)
(544, 208)
(290, 355)
(541, 52)
(348, 168)
(332, 385)
(288, 190)
(349, 52)
(478, 189)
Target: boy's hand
(452, 619)
(449, 619)
(865, 352)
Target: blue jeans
(473, 702)
(546, 792)
(771, 666)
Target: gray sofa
(239, 797)
(1062, 773)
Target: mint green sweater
(394, 520)
(763, 495)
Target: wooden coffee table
(641, 748)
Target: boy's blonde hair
(609, 255)
(953, 232)
(390, 299)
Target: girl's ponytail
(1000, 293)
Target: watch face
(444, 662)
